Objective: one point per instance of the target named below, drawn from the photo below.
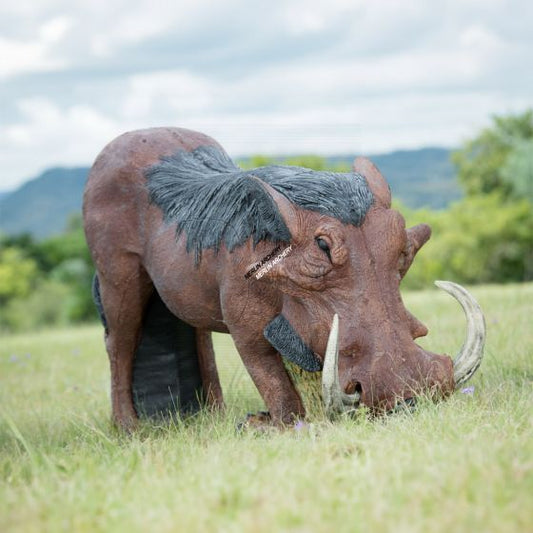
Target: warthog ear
(274, 268)
(417, 236)
(285, 206)
(377, 183)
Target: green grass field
(462, 465)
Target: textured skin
(135, 251)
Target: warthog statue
(179, 235)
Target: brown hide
(134, 251)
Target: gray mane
(213, 201)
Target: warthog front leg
(268, 373)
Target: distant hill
(419, 178)
(42, 206)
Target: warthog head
(342, 307)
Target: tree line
(487, 237)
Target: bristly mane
(212, 200)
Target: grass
(462, 465)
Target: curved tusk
(471, 353)
(334, 398)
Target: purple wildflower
(300, 425)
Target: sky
(277, 77)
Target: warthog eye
(323, 245)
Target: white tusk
(335, 400)
(470, 356)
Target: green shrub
(480, 239)
(46, 305)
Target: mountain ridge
(42, 206)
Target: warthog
(179, 235)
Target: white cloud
(144, 19)
(160, 93)
(55, 29)
(296, 75)
(20, 56)
(49, 136)
(374, 125)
